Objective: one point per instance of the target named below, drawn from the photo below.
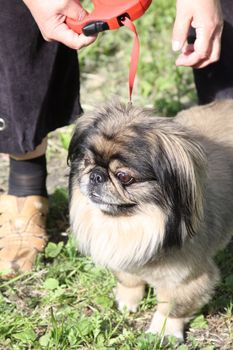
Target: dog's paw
(122, 306)
(167, 326)
(124, 302)
(128, 298)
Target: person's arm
(50, 17)
(205, 16)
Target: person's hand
(205, 16)
(50, 17)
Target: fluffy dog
(152, 199)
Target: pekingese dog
(152, 199)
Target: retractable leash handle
(113, 14)
(108, 14)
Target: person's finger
(75, 11)
(69, 38)
(202, 49)
(216, 49)
(214, 56)
(187, 48)
(188, 59)
(180, 29)
(207, 48)
(192, 58)
(204, 42)
(86, 40)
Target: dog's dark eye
(87, 162)
(125, 178)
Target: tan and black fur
(151, 198)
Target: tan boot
(22, 232)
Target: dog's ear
(87, 125)
(84, 127)
(179, 166)
(75, 144)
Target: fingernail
(176, 45)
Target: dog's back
(213, 126)
(214, 121)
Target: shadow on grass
(223, 297)
(58, 218)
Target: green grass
(68, 303)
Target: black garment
(39, 81)
(28, 177)
(216, 80)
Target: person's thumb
(69, 38)
(180, 30)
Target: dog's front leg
(129, 291)
(165, 321)
(163, 325)
(177, 305)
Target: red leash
(134, 55)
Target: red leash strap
(134, 55)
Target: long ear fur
(89, 124)
(180, 165)
(84, 128)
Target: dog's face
(135, 181)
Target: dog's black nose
(97, 177)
